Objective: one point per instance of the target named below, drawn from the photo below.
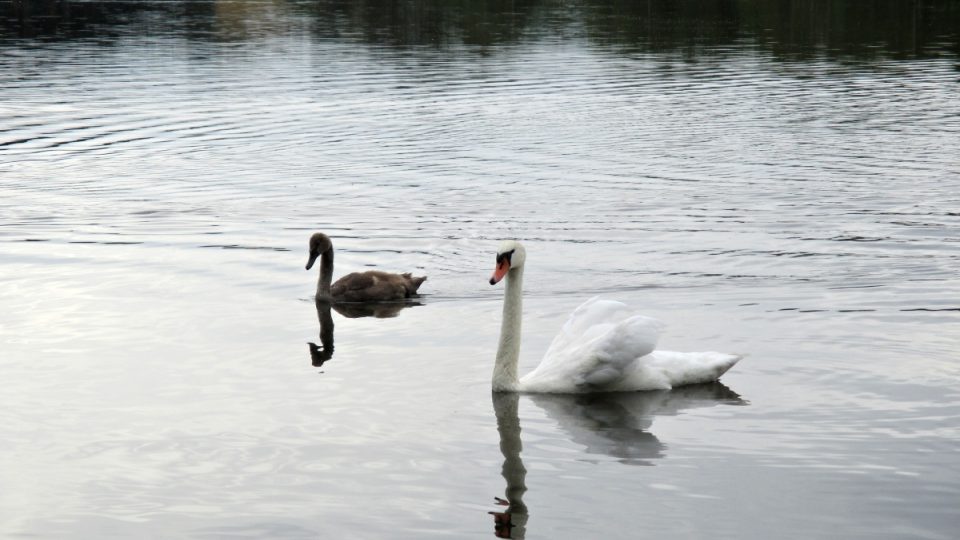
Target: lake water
(779, 179)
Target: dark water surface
(780, 179)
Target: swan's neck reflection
(512, 522)
(319, 355)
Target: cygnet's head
(510, 254)
(319, 244)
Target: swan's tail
(693, 367)
(413, 283)
(727, 361)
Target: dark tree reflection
(793, 30)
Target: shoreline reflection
(790, 30)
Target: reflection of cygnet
(379, 310)
(319, 355)
(324, 352)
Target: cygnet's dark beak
(311, 260)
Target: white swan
(601, 348)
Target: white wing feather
(598, 346)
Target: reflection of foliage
(864, 28)
(434, 23)
(55, 20)
(789, 29)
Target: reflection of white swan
(613, 424)
(617, 424)
(601, 348)
(511, 522)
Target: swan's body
(370, 286)
(603, 347)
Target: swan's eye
(505, 256)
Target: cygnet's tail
(413, 283)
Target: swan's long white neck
(508, 353)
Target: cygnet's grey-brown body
(370, 286)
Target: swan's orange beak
(501, 270)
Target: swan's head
(319, 244)
(510, 254)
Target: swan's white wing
(591, 319)
(609, 356)
(594, 349)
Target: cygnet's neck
(326, 275)
(508, 353)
